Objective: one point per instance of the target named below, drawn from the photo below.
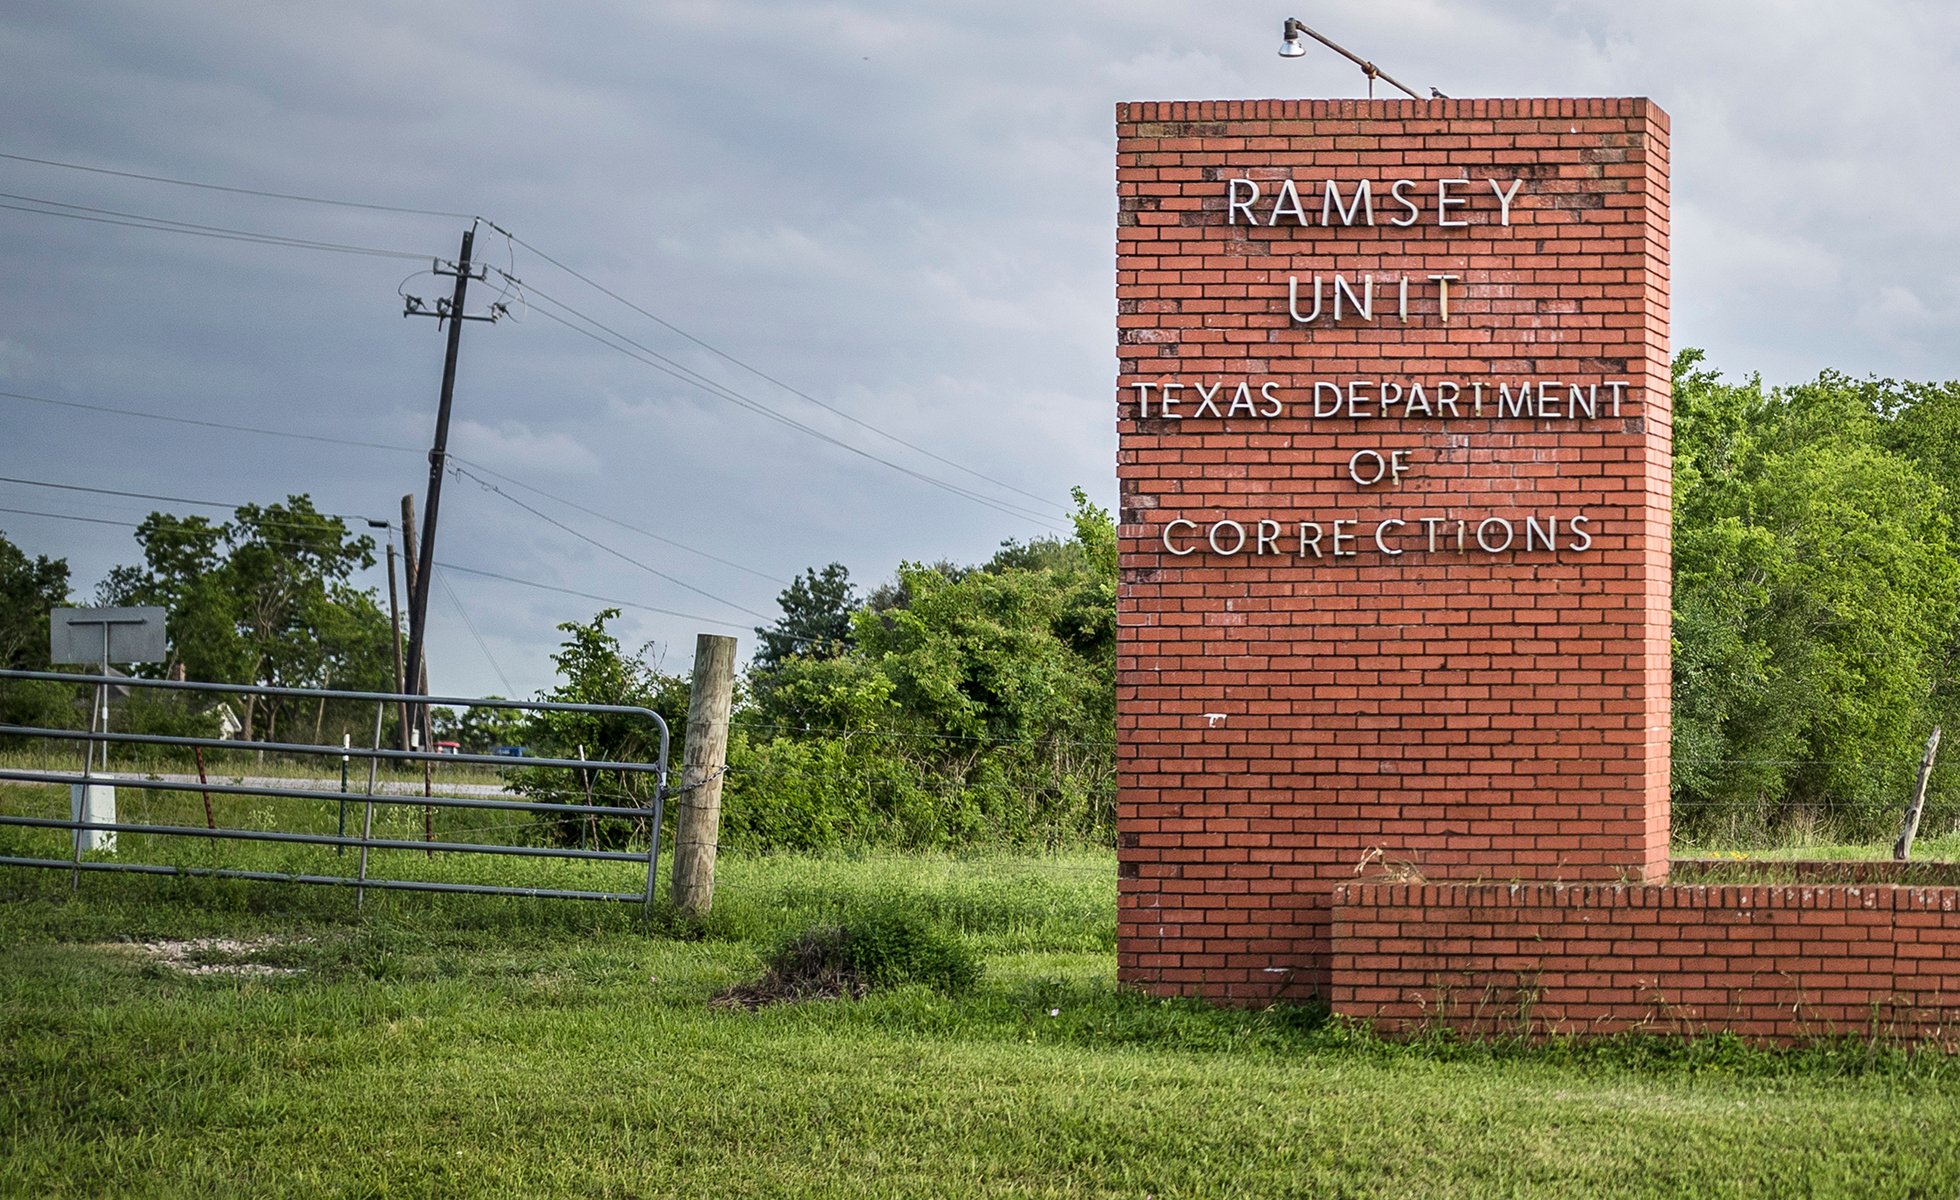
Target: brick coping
(1554, 894)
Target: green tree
(816, 620)
(29, 588)
(974, 705)
(265, 598)
(593, 668)
(480, 729)
(1815, 598)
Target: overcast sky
(903, 210)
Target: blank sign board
(134, 635)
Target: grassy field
(467, 1046)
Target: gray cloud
(905, 210)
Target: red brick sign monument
(1394, 620)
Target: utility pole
(421, 571)
(395, 639)
(414, 717)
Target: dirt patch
(209, 956)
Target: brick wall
(1768, 962)
(1285, 718)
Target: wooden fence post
(1902, 849)
(698, 820)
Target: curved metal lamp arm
(1295, 27)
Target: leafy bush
(595, 669)
(884, 947)
(1816, 591)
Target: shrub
(886, 947)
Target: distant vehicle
(449, 747)
(511, 751)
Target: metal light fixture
(1291, 47)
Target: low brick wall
(1772, 962)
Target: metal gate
(88, 831)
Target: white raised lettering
(1381, 531)
(1445, 202)
(1535, 533)
(1234, 206)
(1429, 526)
(1399, 192)
(1581, 539)
(1364, 303)
(1443, 283)
(1363, 204)
(1504, 198)
(1293, 300)
(1288, 202)
(1350, 552)
(1483, 529)
(1366, 468)
(1268, 540)
(1235, 527)
(1310, 542)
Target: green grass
(1944, 847)
(438, 1046)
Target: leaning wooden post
(698, 821)
(1902, 849)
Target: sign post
(98, 637)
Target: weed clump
(886, 947)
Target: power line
(76, 487)
(29, 512)
(482, 645)
(238, 191)
(278, 433)
(222, 233)
(593, 512)
(365, 445)
(758, 372)
(715, 388)
(447, 566)
(591, 541)
(667, 366)
(167, 225)
(552, 587)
